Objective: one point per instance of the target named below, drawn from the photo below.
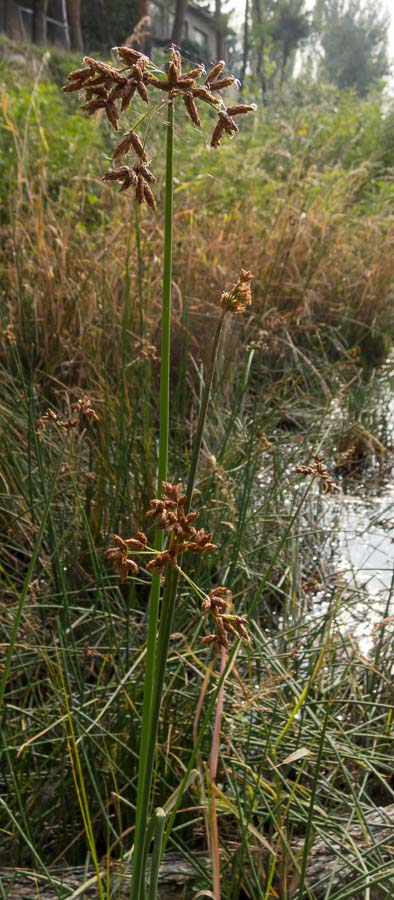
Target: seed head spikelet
(112, 89)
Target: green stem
(157, 645)
(148, 730)
(160, 820)
(172, 577)
(166, 313)
(203, 414)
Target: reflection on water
(361, 525)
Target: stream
(360, 524)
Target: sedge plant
(111, 89)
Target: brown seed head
(160, 562)
(145, 172)
(129, 56)
(217, 134)
(142, 92)
(158, 83)
(117, 174)
(96, 65)
(128, 141)
(196, 72)
(128, 94)
(80, 75)
(139, 190)
(241, 109)
(192, 108)
(124, 146)
(222, 83)
(240, 297)
(85, 408)
(214, 73)
(93, 105)
(185, 83)
(119, 558)
(149, 197)
(318, 470)
(99, 91)
(112, 115)
(204, 94)
(228, 123)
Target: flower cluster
(104, 85)
(240, 297)
(82, 407)
(218, 603)
(119, 554)
(319, 470)
(8, 333)
(170, 516)
(112, 89)
(226, 123)
(139, 176)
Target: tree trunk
(3, 16)
(180, 10)
(220, 48)
(260, 60)
(105, 29)
(245, 48)
(74, 24)
(285, 59)
(39, 24)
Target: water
(361, 525)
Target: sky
(391, 38)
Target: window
(200, 37)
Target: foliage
(112, 26)
(278, 29)
(354, 38)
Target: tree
(116, 20)
(221, 27)
(177, 30)
(353, 36)
(290, 27)
(39, 22)
(246, 43)
(278, 28)
(74, 24)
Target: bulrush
(119, 554)
(139, 176)
(219, 603)
(170, 516)
(226, 123)
(85, 408)
(112, 89)
(240, 297)
(318, 470)
(129, 141)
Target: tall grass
(305, 737)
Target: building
(200, 35)
(17, 21)
(199, 27)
